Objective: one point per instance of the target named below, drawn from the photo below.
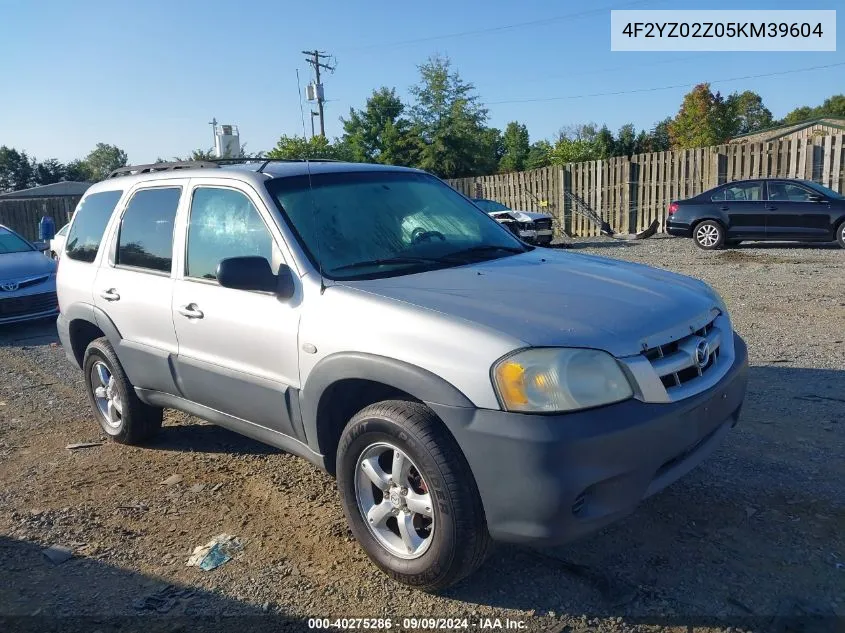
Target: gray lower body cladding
(549, 479)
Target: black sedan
(765, 209)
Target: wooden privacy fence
(24, 214)
(630, 193)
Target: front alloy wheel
(394, 498)
(709, 235)
(106, 395)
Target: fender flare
(418, 382)
(90, 314)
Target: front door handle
(724, 208)
(191, 311)
(770, 208)
(110, 295)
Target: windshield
(830, 193)
(13, 243)
(490, 205)
(382, 223)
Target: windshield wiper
(389, 261)
(482, 250)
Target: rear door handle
(110, 295)
(724, 208)
(770, 208)
(191, 311)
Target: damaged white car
(529, 226)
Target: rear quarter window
(89, 224)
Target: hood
(529, 216)
(553, 298)
(26, 264)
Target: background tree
(78, 171)
(451, 121)
(16, 170)
(626, 141)
(47, 172)
(832, 106)
(604, 143)
(747, 113)
(515, 147)
(704, 119)
(297, 147)
(380, 133)
(103, 159)
(539, 155)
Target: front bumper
(30, 306)
(549, 479)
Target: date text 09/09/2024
(416, 624)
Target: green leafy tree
(516, 147)
(380, 133)
(747, 113)
(832, 106)
(626, 141)
(103, 159)
(659, 139)
(539, 155)
(703, 119)
(297, 147)
(78, 171)
(605, 143)
(48, 171)
(451, 121)
(16, 171)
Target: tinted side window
(224, 223)
(744, 192)
(89, 224)
(146, 230)
(788, 192)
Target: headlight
(558, 379)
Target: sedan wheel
(709, 235)
(841, 237)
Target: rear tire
(708, 235)
(840, 235)
(120, 413)
(423, 525)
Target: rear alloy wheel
(120, 413)
(709, 235)
(840, 235)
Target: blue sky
(149, 76)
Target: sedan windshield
(358, 225)
(13, 243)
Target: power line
(504, 27)
(656, 89)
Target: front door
(794, 213)
(237, 348)
(745, 208)
(134, 284)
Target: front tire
(708, 235)
(120, 413)
(409, 495)
(840, 235)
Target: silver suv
(462, 385)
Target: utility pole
(313, 58)
(213, 124)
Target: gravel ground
(754, 539)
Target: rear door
(792, 215)
(744, 205)
(134, 283)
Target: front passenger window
(224, 223)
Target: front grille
(677, 364)
(30, 304)
(543, 224)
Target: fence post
(630, 195)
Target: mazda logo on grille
(9, 287)
(702, 353)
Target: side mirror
(254, 273)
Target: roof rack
(213, 163)
(148, 169)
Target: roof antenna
(311, 188)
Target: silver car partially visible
(27, 280)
